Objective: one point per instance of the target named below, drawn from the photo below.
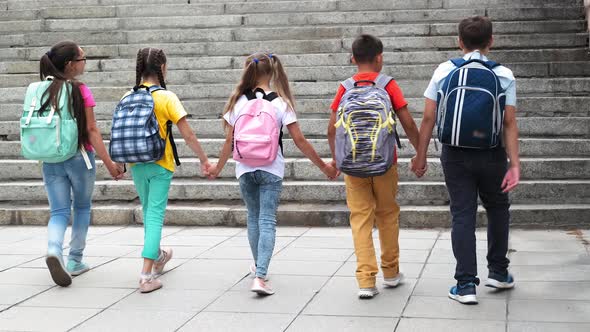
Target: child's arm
(309, 151)
(512, 177)
(428, 121)
(95, 139)
(191, 140)
(224, 154)
(409, 125)
(332, 134)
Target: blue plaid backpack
(135, 132)
(365, 129)
(470, 106)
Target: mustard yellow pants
(372, 201)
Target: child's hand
(511, 179)
(116, 170)
(205, 169)
(331, 172)
(419, 166)
(213, 171)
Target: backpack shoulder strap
(382, 80)
(492, 64)
(458, 62)
(348, 84)
(154, 88)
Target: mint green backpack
(52, 137)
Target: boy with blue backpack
(362, 138)
(472, 101)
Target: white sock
(145, 276)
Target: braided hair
(149, 63)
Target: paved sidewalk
(206, 287)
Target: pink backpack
(256, 134)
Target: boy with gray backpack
(362, 138)
(472, 102)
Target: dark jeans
(469, 173)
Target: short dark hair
(475, 32)
(365, 48)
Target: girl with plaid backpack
(152, 178)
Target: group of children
(263, 100)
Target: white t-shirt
(444, 69)
(284, 117)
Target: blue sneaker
(464, 293)
(499, 281)
(76, 269)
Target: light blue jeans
(261, 192)
(63, 181)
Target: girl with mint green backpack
(58, 128)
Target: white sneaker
(368, 293)
(253, 272)
(393, 282)
(261, 288)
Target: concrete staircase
(544, 42)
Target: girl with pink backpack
(254, 117)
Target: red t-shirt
(395, 94)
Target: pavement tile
(306, 323)
(549, 258)
(405, 256)
(18, 276)
(292, 293)
(329, 231)
(78, 297)
(444, 271)
(179, 252)
(8, 261)
(448, 325)
(551, 272)
(54, 319)
(571, 245)
(440, 307)
(237, 321)
(184, 300)
(242, 241)
(303, 268)
(446, 256)
(13, 294)
(314, 254)
(339, 298)
(448, 245)
(410, 270)
(547, 327)
(209, 231)
(549, 311)
(135, 320)
(94, 262)
(551, 290)
(192, 240)
(206, 274)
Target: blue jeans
(63, 181)
(261, 192)
(468, 174)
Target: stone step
(531, 127)
(313, 60)
(244, 33)
(303, 169)
(411, 88)
(211, 108)
(409, 193)
(305, 74)
(297, 214)
(241, 6)
(529, 147)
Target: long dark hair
(149, 63)
(53, 63)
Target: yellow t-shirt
(167, 106)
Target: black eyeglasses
(83, 59)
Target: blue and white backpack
(135, 132)
(365, 129)
(470, 106)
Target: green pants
(152, 183)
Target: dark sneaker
(499, 281)
(57, 270)
(464, 293)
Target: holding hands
(419, 166)
(117, 170)
(330, 170)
